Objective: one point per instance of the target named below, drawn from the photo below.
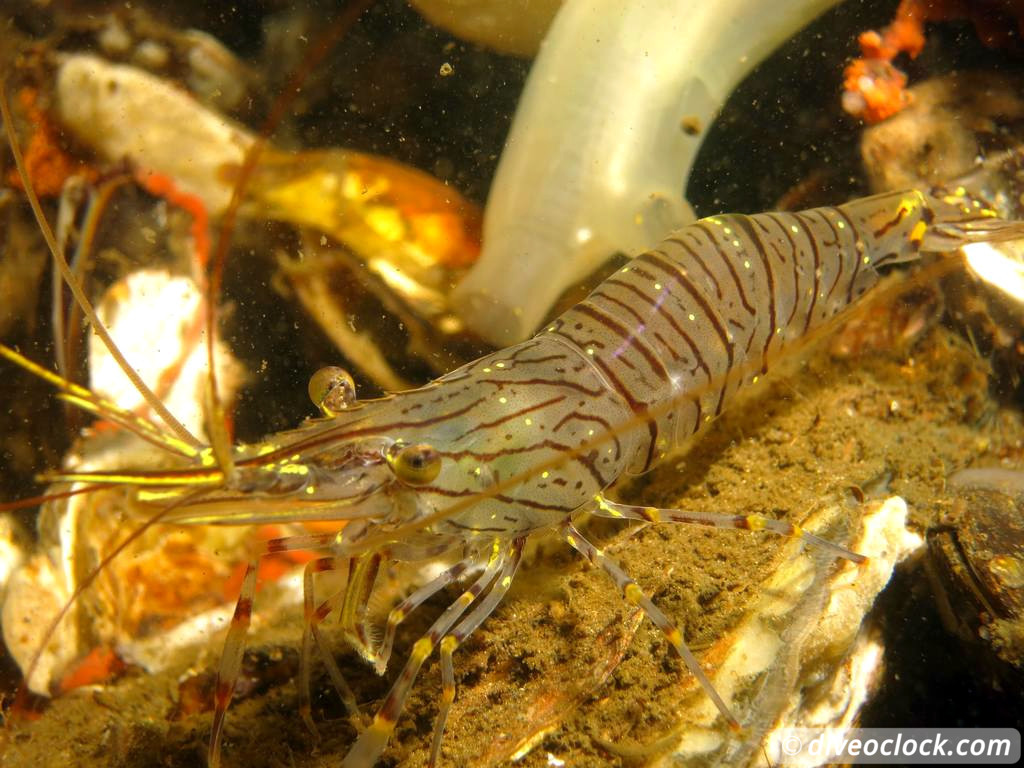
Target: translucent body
(651, 357)
(529, 436)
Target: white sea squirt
(597, 158)
(509, 26)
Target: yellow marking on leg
(674, 636)
(382, 724)
(653, 514)
(421, 650)
(633, 594)
(755, 522)
(605, 506)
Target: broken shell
(166, 574)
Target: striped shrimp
(526, 440)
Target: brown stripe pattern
(716, 302)
(533, 404)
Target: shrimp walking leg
(371, 742)
(457, 636)
(634, 595)
(234, 645)
(313, 616)
(231, 661)
(398, 614)
(612, 509)
(361, 578)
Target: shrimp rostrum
(528, 438)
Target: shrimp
(527, 439)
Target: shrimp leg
(634, 595)
(371, 742)
(398, 614)
(311, 633)
(313, 619)
(231, 661)
(457, 636)
(234, 644)
(606, 508)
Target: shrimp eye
(332, 390)
(414, 464)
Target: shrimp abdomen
(686, 324)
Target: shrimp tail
(959, 219)
(949, 236)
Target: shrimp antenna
(35, 501)
(218, 427)
(98, 328)
(219, 431)
(21, 697)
